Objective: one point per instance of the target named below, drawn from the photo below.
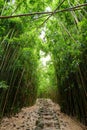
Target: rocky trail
(44, 115)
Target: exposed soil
(44, 115)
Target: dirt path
(44, 115)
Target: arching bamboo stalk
(42, 13)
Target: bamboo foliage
(24, 33)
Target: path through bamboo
(44, 115)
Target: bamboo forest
(43, 64)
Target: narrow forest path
(44, 115)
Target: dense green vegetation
(47, 80)
(25, 42)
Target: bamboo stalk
(82, 80)
(73, 14)
(17, 88)
(51, 12)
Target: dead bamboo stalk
(51, 12)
